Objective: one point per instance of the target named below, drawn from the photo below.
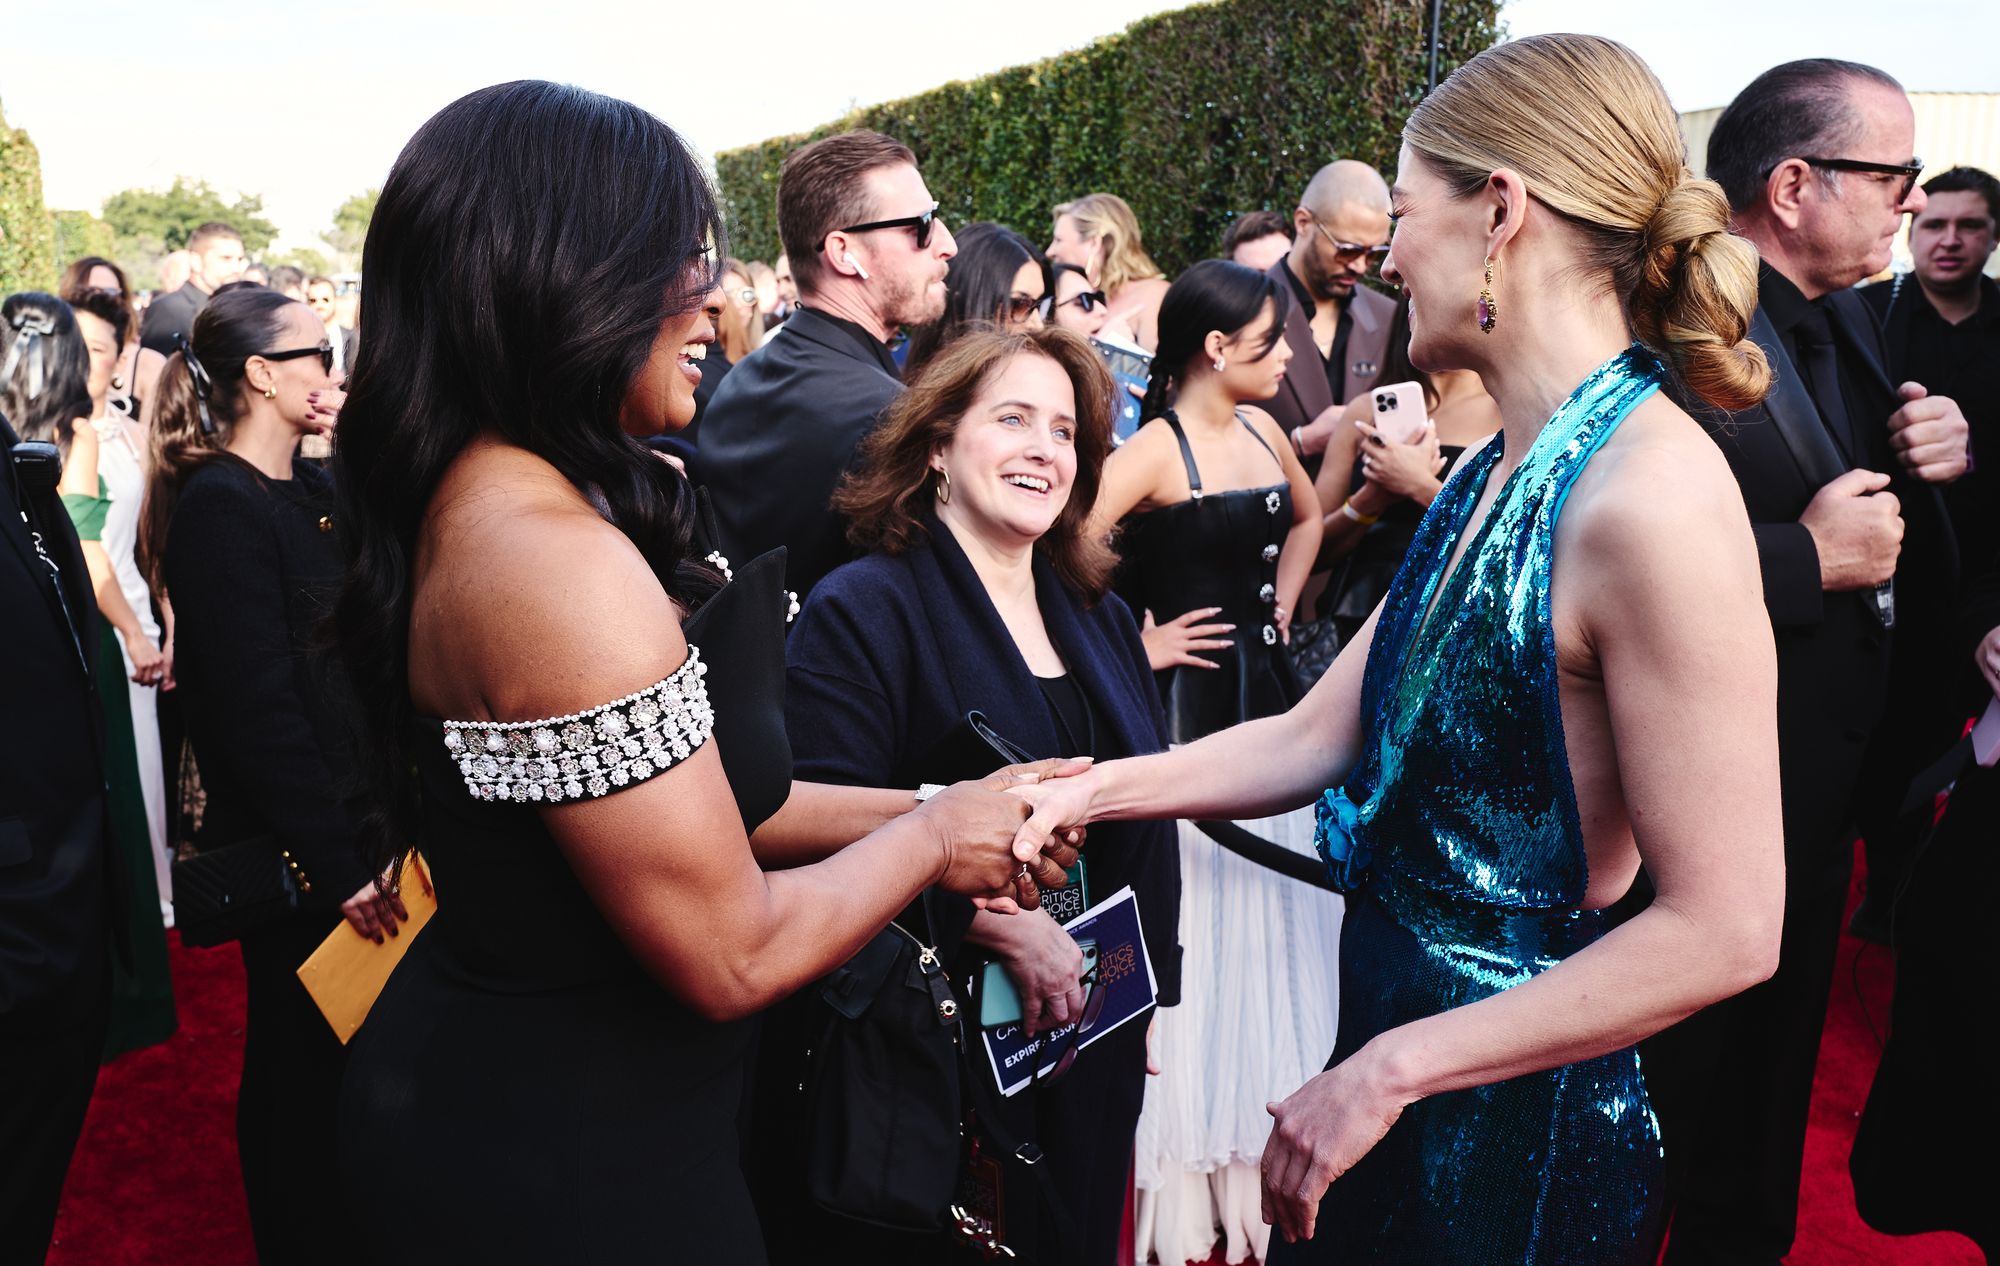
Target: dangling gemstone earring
(944, 486)
(1489, 311)
(1219, 364)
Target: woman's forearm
(819, 819)
(1295, 561)
(111, 603)
(1601, 999)
(1252, 770)
(1339, 535)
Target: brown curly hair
(886, 498)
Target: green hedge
(1192, 116)
(27, 259)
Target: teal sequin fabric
(1458, 837)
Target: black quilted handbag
(225, 892)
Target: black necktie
(1822, 379)
(1822, 370)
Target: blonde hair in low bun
(1697, 288)
(1587, 125)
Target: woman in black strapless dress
(592, 711)
(1218, 516)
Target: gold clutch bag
(346, 973)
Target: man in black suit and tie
(868, 255)
(215, 258)
(1840, 469)
(54, 978)
(1338, 328)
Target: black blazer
(892, 652)
(251, 566)
(780, 431)
(53, 829)
(1833, 654)
(168, 315)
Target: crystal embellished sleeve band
(586, 754)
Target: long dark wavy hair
(1214, 294)
(528, 245)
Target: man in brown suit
(1338, 328)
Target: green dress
(142, 993)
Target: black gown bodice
(1216, 549)
(546, 1099)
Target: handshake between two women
(990, 854)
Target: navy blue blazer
(891, 652)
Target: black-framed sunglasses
(1087, 302)
(1348, 252)
(921, 223)
(1019, 306)
(1908, 171)
(324, 351)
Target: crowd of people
(1466, 623)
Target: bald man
(1338, 328)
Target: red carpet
(155, 1181)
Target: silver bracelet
(928, 790)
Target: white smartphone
(1399, 411)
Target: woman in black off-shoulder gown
(625, 872)
(628, 1107)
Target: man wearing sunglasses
(321, 297)
(868, 255)
(1839, 469)
(1338, 328)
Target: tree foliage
(27, 258)
(79, 233)
(155, 221)
(1193, 117)
(350, 223)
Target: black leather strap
(1187, 455)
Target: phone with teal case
(1000, 1004)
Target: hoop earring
(944, 486)
(1489, 311)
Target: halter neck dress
(1458, 837)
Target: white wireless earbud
(855, 264)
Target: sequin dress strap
(586, 754)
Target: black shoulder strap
(1187, 455)
(1244, 418)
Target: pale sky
(306, 104)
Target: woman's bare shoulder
(1658, 493)
(528, 603)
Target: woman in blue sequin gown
(1571, 675)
